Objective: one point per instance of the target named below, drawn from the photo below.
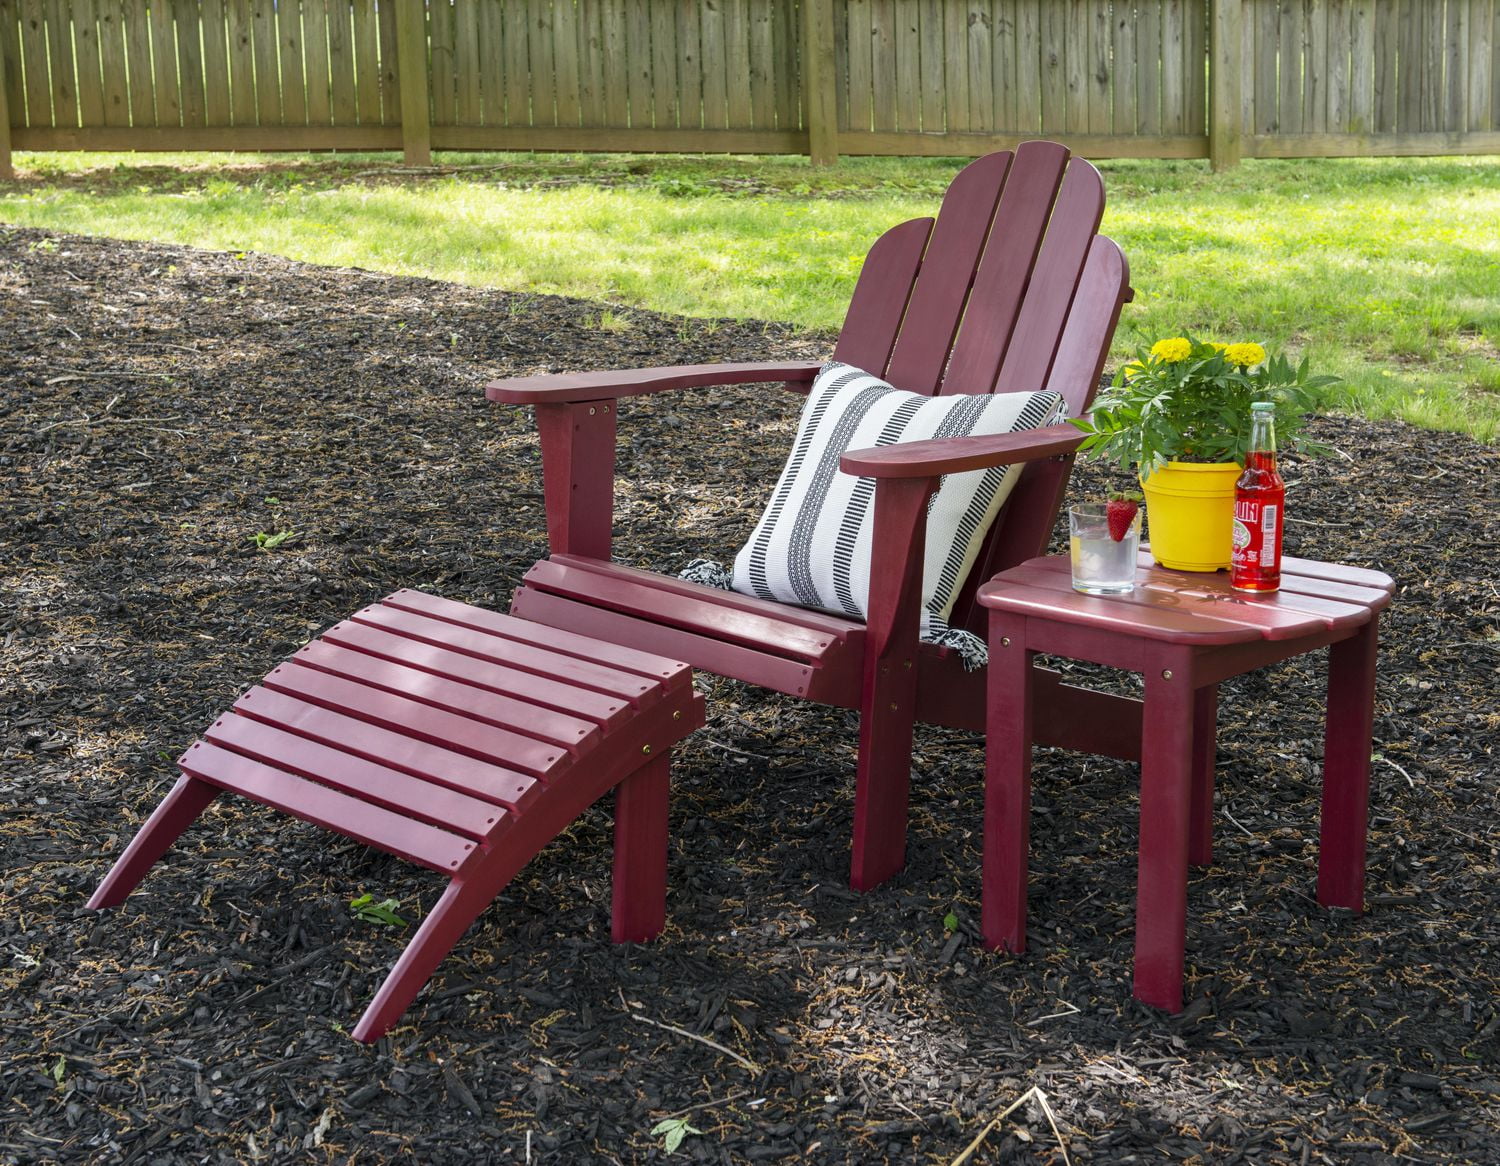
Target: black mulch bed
(161, 406)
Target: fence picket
(1099, 69)
(1289, 67)
(1456, 67)
(267, 67)
(1026, 79)
(663, 59)
(1004, 49)
(1263, 82)
(1361, 116)
(1148, 79)
(34, 64)
(138, 60)
(954, 96)
(565, 63)
(1338, 66)
(590, 64)
(293, 74)
(442, 61)
(762, 65)
(10, 53)
(1315, 70)
(1054, 76)
(858, 112)
(908, 67)
(983, 39)
(1481, 47)
(188, 15)
(883, 65)
(90, 72)
(1075, 67)
(737, 63)
(715, 89)
(614, 31)
(316, 62)
(1195, 54)
(1432, 64)
(503, 29)
(343, 91)
(389, 65)
(468, 74)
(539, 64)
(60, 77)
(786, 41)
(215, 25)
(1173, 92)
(1125, 88)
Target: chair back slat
(880, 296)
(942, 286)
(1025, 524)
(1002, 285)
(1043, 314)
(1102, 292)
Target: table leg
(1166, 793)
(1205, 740)
(1007, 786)
(1346, 769)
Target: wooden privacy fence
(1157, 78)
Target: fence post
(411, 52)
(819, 82)
(1225, 84)
(5, 167)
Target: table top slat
(1142, 613)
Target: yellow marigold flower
(1132, 368)
(1217, 345)
(1175, 349)
(1244, 355)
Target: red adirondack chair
(1009, 289)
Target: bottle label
(1257, 535)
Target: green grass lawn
(1385, 272)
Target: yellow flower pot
(1190, 514)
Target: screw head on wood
(1166, 674)
(1005, 641)
(645, 748)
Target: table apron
(1211, 663)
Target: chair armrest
(554, 388)
(954, 455)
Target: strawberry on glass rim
(1121, 511)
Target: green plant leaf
(269, 542)
(367, 909)
(672, 1131)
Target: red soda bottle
(1259, 505)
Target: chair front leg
(889, 694)
(578, 475)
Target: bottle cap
(1263, 407)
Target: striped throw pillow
(812, 544)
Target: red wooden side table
(1184, 633)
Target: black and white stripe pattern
(812, 545)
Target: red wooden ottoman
(459, 739)
(1185, 633)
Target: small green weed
(269, 542)
(365, 908)
(950, 922)
(672, 1131)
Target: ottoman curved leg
(462, 903)
(178, 810)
